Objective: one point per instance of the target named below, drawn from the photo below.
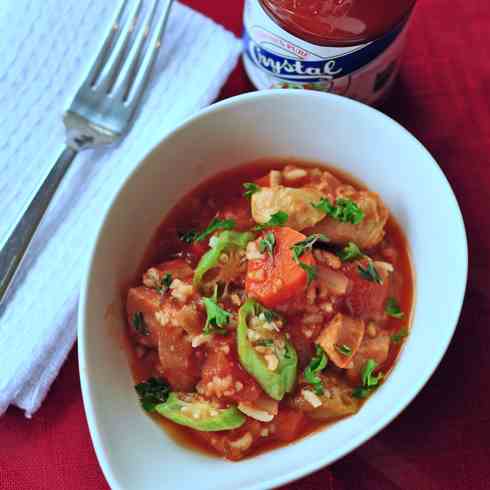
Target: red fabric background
(441, 441)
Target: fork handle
(15, 247)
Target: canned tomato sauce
(348, 47)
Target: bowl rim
(377, 426)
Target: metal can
(275, 57)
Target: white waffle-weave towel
(47, 48)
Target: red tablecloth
(442, 440)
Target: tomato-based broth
(273, 300)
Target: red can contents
(348, 47)
(338, 22)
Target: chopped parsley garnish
(392, 308)
(152, 392)
(350, 252)
(309, 269)
(305, 246)
(277, 219)
(397, 337)
(360, 392)
(165, 282)
(369, 380)
(370, 273)
(216, 224)
(139, 324)
(344, 210)
(250, 189)
(270, 315)
(267, 243)
(188, 236)
(343, 349)
(317, 364)
(217, 318)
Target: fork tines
(122, 67)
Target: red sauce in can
(338, 22)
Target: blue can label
(275, 58)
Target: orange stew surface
(273, 300)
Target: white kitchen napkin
(47, 47)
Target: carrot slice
(273, 280)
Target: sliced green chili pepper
(190, 410)
(275, 382)
(225, 241)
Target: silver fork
(100, 113)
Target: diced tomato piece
(275, 279)
(178, 269)
(366, 298)
(180, 364)
(341, 339)
(222, 375)
(234, 444)
(304, 345)
(239, 211)
(198, 249)
(264, 181)
(289, 424)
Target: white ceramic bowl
(134, 452)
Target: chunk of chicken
(366, 234)
(341, 339)
(324, 181)
(376, 349)
(335, 402)
(295, 202)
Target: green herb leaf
(217, 318)
(360, 393)
(393, 309)
(344, 210)
(317, 364)
(165, 282)
(216, 224)
(309, 269)
(370, 273)
(270, 315)
(139, 324)
(343, 349)
(277, 219)
(368, 379)
(398, 337)
(250, 189)
(306, 245)
(267, 243)
(188, 236)
(350, 252)
(152, 392)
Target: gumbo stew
(274, 299)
